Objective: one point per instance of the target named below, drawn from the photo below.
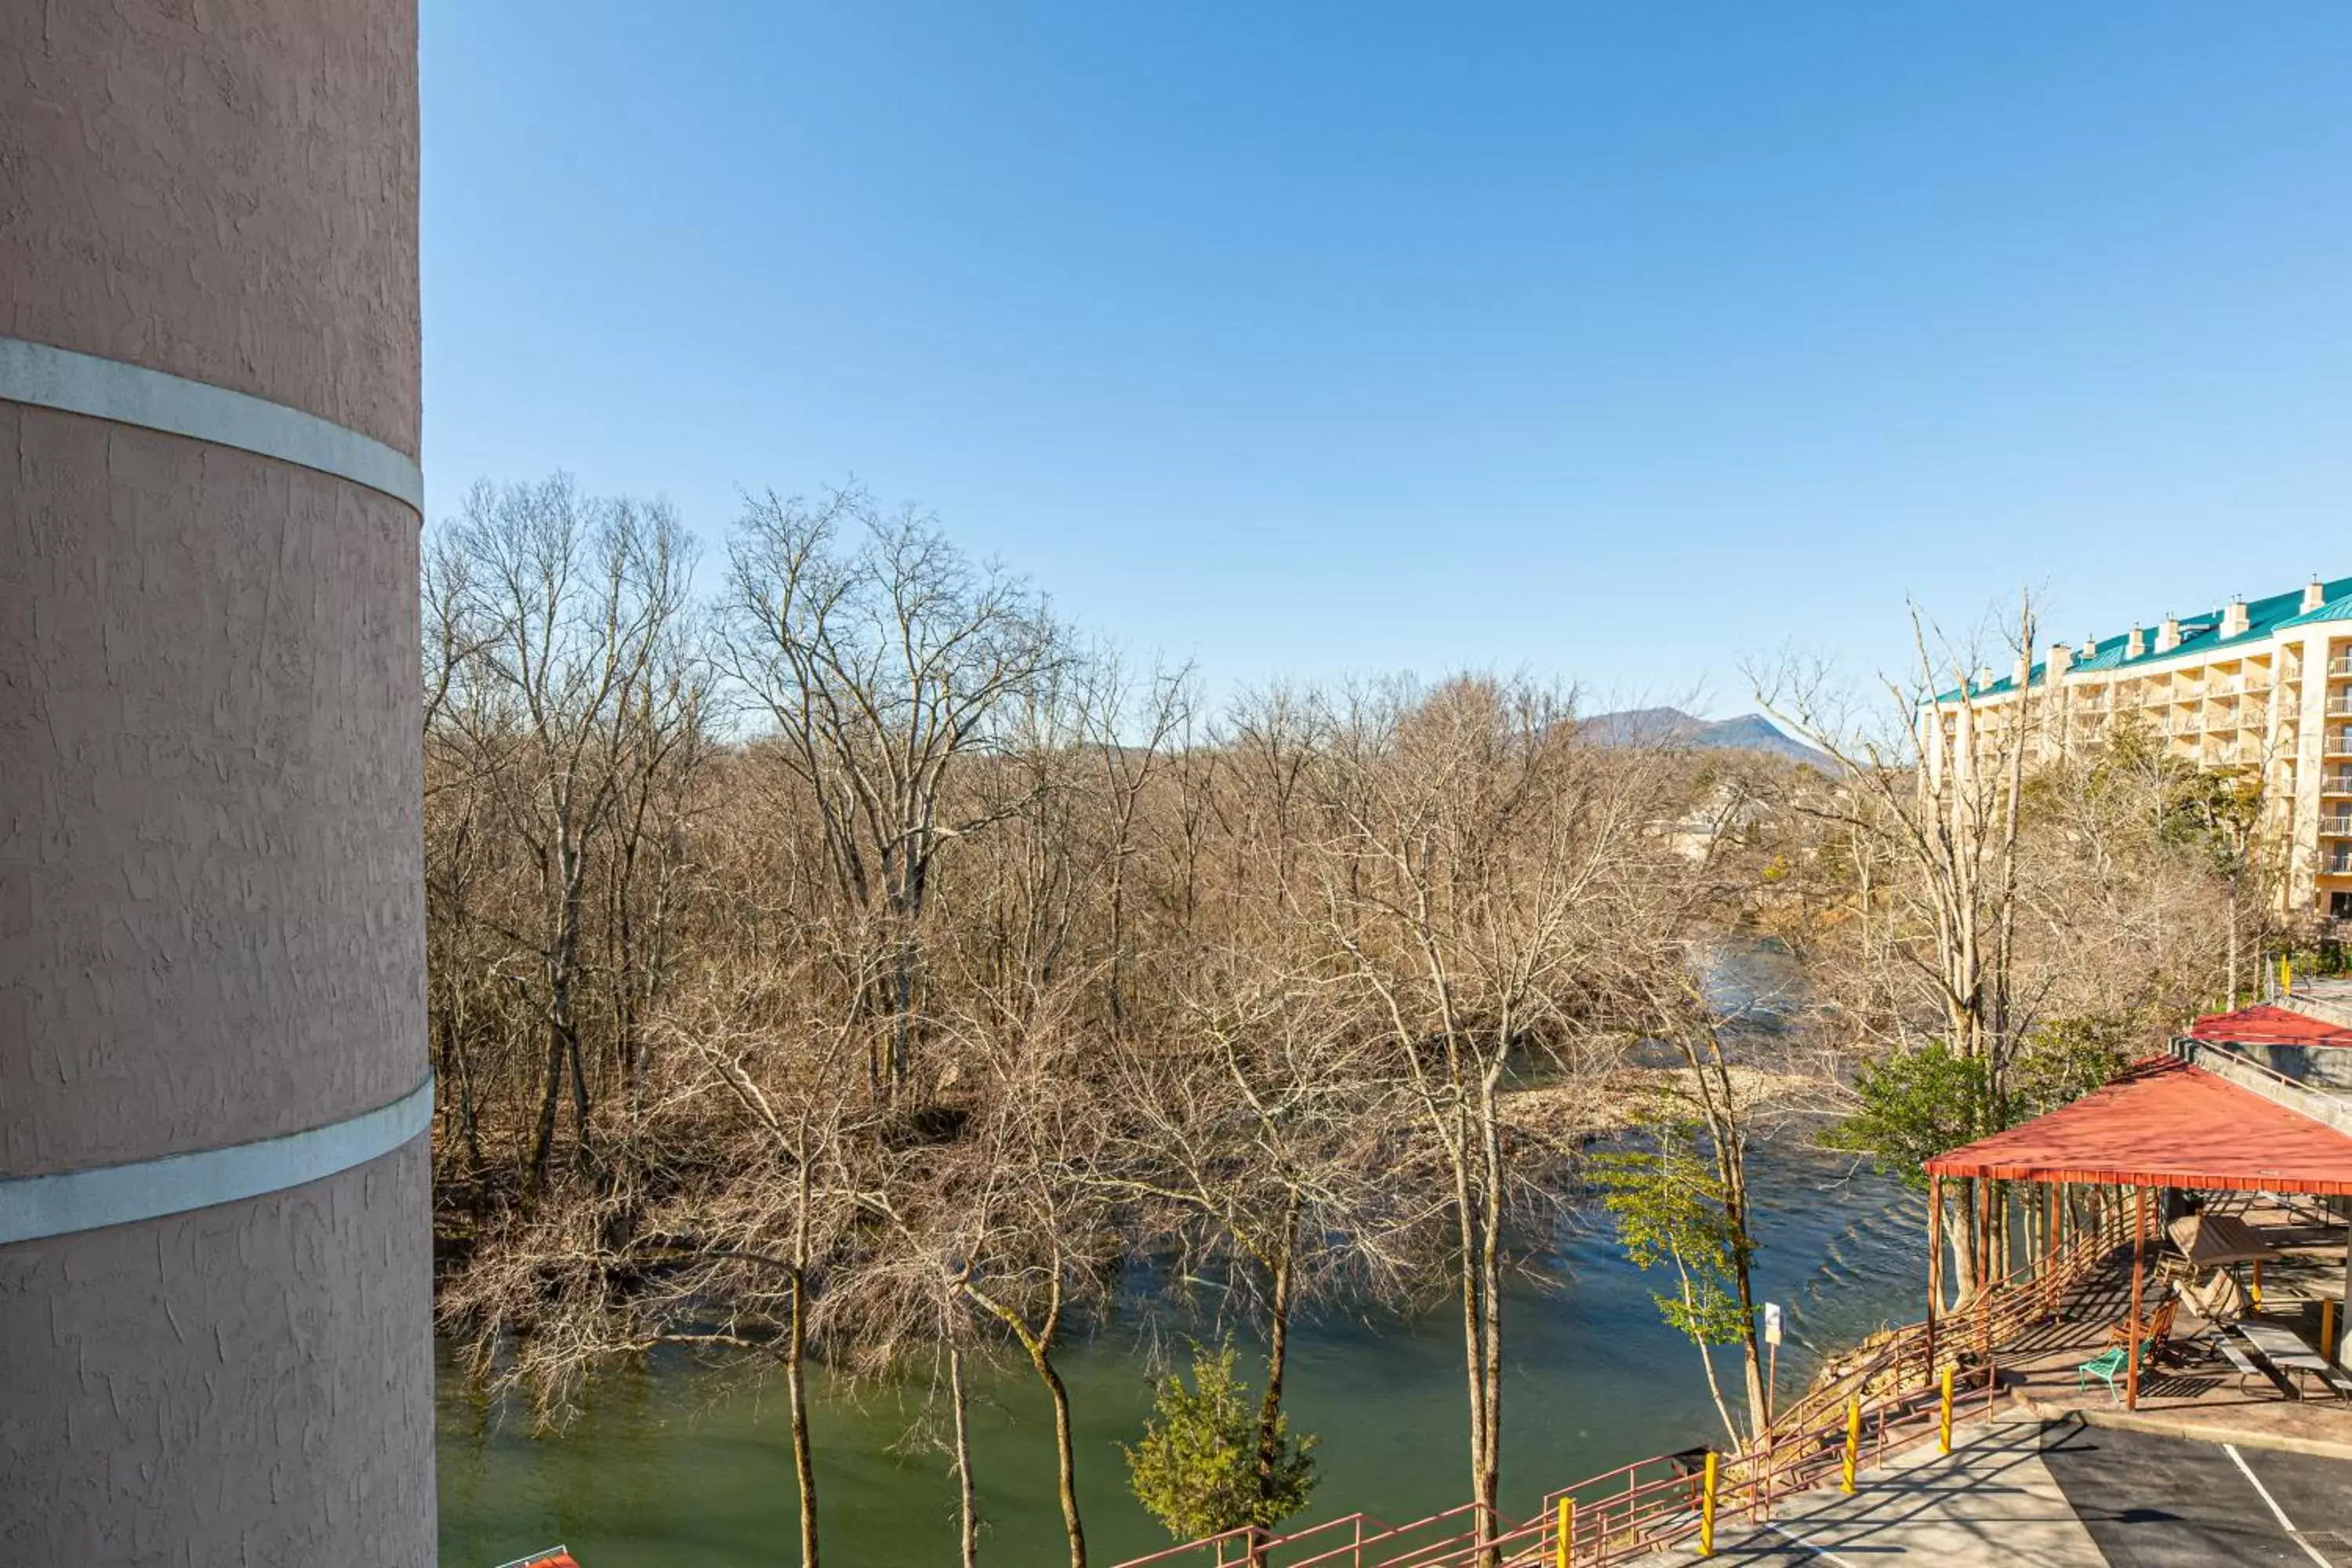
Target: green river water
(678, 1465)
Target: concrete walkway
(2060, 1494)
(1993, 1501)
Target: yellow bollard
(1852, 1440)
(1946, 1426)
(1567, 1533)
(2327, 1329)
(1706, 1510)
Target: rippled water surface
(682, 1467)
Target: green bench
(2107, 1367)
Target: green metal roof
(2198, 634)
(2337, 609)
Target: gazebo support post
(1985, 1276)
(1935, 1265)
(2139, 1253)
(1984, 1233)
(2343, 1345)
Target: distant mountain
(1672, 727)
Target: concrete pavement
(2022, 1493)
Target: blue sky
(1616, 342)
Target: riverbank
(685, 1464)
(1584, 1110)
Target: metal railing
(2192, 1051)
(1895, 1386)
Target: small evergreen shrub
(1196, 1470)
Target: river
(681, 1466)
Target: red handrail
(1621, 1513)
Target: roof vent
(2090, 648)
(2168, 633)
(2314, 594)
(1984, 678)
(2136, 645)
(2062, 659)
(2234, 619)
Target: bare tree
(1258, 1147)
(1477, 860)
(555, 617)
(780, 1220)
(1029, 1252)
(881, 656)
(2000, 897)
(729, 1246)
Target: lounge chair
(2107, 1367)
(2221, 1301)
(2155, 1333)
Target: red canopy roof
(2265, 1024)
(2163, 1123)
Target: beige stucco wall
(2310, 763)
(211, 918)
(211, 927)
(246, 1385)
(223, 189)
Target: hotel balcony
(2337, 862)
(2337, 783)
(2340, 666)
(2338, 826)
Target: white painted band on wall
(69, 1201)
(49, 377)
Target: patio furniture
(2107, 1367)
(2285, 1350)
(2222, 1240)
(2161, 1125)
(2155, 1333)
(2244, 1365)
(2220, 1303)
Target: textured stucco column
(211, 916)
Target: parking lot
(2164, 1502)
(2062, 1494)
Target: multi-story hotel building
(2263, 686)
